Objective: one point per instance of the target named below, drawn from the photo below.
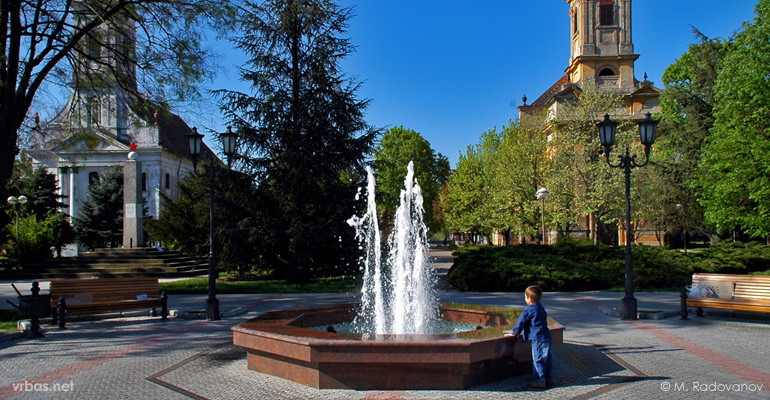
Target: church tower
(601, 50)
(104, 73)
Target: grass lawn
(8, 320)
(232, 286)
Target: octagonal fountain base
(280, 344)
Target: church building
(102, 121)
(601, 54)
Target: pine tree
(303, 131)
(100, 223)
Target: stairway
(114, 263)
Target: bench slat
(112, 294)
(750, 293)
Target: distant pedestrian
(533, 325)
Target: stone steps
(113, 263)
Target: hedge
(580, 265)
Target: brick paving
(602, 357)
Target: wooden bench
(750, 293)
(88, 296)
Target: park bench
(88, 296)
(750, 293)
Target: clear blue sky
(453, 69)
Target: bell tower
(104, 73)
(601, 49)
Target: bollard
(164, 305)
(62, 311)
(35, 320)
(683, 297)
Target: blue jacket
(533, 324)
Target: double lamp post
(229, 141)
(647, 128)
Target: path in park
(602, 357)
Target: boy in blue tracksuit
(533, 325)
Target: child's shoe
(537, 385)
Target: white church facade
(97, 128)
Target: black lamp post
(647, 128)
(15, 202)
(229, 140)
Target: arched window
(607, 72)
(607, 12)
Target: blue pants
(542, 362)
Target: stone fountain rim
(277, 325)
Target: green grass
(230, 286)
(8, 321)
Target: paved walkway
(602, 357)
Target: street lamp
(647, 128)
(541, 194)
(15, 202)
(229, 141)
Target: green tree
(302, 130)
(44, 202)
(579, 166)
(518, 170)
(100, 223)
(687, 118)
(51, 42)
(397, 147)
(734, 171)
(466, 203)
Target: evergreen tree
(184, 221)
(101, 218)
(302, 131)
(42, 192)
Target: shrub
(579, 265)
(733, 258)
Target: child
(533, 325)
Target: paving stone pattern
(602, 357)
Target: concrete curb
(7, 337)
(614, 312)
(189, 315)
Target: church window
(574, 23)
(94, 111)
(93, 48)
(606, 12)
(144, 181)
(93, 178)
(607, 72)
(168, 181)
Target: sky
(454, 69)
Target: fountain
(392, 343)
(399, 300)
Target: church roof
(171, 135)
(172, 132)
(552, 92)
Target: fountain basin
(278, 343)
